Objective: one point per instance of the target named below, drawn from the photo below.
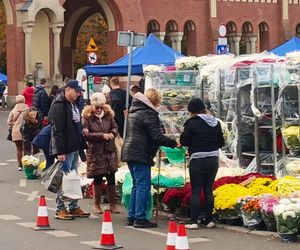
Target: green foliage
(2, 38)
(95, 26)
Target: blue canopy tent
(3, 78)
(154, 52)
(289, 46)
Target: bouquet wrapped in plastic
(30, 165)
(291, 137)
(286, 215)
(266, 209)
(250, 210)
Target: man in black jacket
(41, 100)
(65, 119)
(118, 103)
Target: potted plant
(30, 165)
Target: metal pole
(158, 186)
(273, 118)
(128, 80)
(239, 116)
(256, 126)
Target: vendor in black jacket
(143, 137)
(203, 136)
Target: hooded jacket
(143, 135)
(28, 93)
(15, 120)
(41, 100)
(65, 132)
(101, 154)
(202, 133)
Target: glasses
(98, 107)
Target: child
(31, 126)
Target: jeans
(140, 193)
(72, 160)
(203, 172)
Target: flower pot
(289, 238)
(30, 173)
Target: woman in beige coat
(14, 122)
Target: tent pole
(128, 81)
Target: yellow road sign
(92, 47)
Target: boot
(97, 199)
(111, 190)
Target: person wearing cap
(106, 90)
(65, 118)
(204, 137)
(100, 130)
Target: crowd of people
(66, 129)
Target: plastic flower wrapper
(287, 185)
(266, 208)
(30, 162)
(286, 215)
(293, 167)
(250, 210)
(226, 198)
(291, 137)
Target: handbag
(71, 186)
(9, 136)
(118, 146)
(52, 177)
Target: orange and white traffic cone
(172, 234)
(181, 240)
(107, 240)
(42, 221)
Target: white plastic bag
(71, 186)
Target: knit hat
(98, 99)
(195, 105)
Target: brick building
(45, 31)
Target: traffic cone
(181, 240)
(42, 221)
(107, 240)
(172, 234)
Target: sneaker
(79, 213)
(20, 168)
(191, 224)
(63, 215)
(144, 224)
(130, 222)
(208, 225)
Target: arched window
(298, 30)
(263, 36)
(171, 26)
(231, 32)
(188, 43)
(153, 26)
(247, 30)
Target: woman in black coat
(203, 136)
(143, 137)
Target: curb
(241, 229)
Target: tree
(95, 26)
(2, 38)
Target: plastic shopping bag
(52, 177)
(71, 186)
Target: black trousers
(202, 175)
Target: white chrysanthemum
(285, 201)
(279, 209)
(288, 214)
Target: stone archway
(75, 16)
(8, 12)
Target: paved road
(18, 210)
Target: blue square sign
(222, 49)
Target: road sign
(222, 30)
(92, 57)
(124, 39)
(222, 41)
(92, 47)
(222, 49)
